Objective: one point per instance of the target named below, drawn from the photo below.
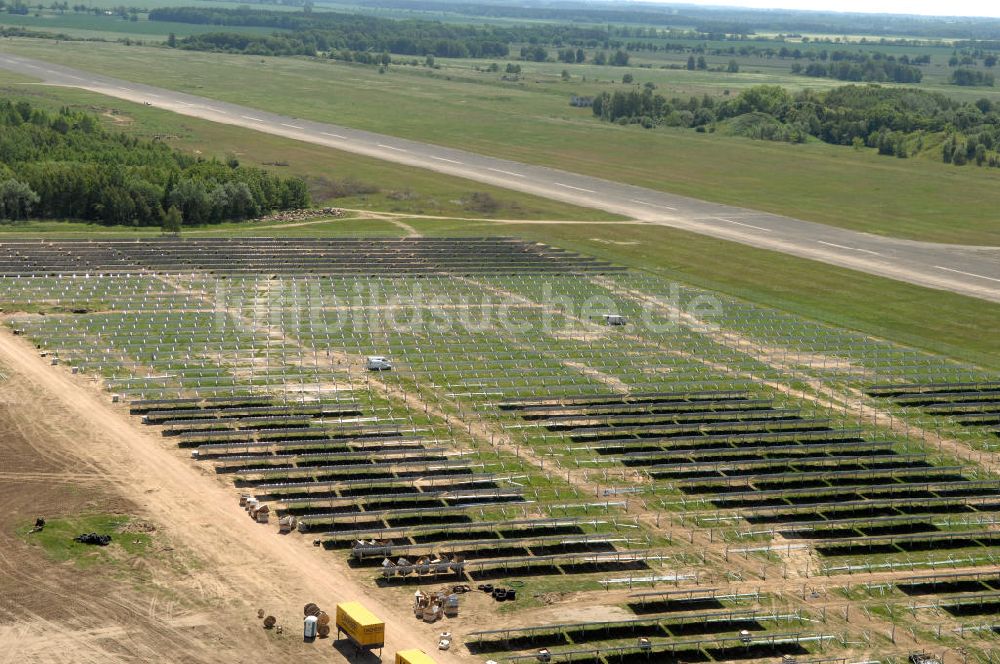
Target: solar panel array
(341, 256)
(966, 404)
(786, 475)
(386, 491)
(541, 444)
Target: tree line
(64, 165)
(728, 20)
(353, 32)
(863, 68)
(971, 77)
(895, 121)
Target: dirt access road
(52, 613)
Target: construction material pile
(429, 607)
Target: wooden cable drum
(323, 618)
(323, 631)
(270, 621)
(310, 609)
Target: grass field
(527, 121)
(57, 539)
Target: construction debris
(258, 512)
(923, 658)
(93, 538)
(429, 607)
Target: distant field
(112, 28)
(532, 121)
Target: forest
(896, 121)
(334, 31)
(64, 165)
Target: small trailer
(614, 319)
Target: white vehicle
(378, 363)
(614, 319)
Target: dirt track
(240, 565)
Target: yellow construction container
(360, 625)
(413, 657)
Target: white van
(378, 363)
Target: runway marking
(497, 170)
(49, 71)
(285, 124)
(186, 103)
(247, 117)
(450, 161)
(151, 94)
(665, 207)
(569, 186)
(216, 110)
(389, 147)
(75, 78)
(326, 133)
(968, 274)
(840, 246)
(126, 89)
(740, 223)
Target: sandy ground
(86, 454)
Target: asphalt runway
(971, 271)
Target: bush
(481, 201)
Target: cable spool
(270, 622)
(260, 613)
(310, 609)
(323, 631)
(323, 618)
